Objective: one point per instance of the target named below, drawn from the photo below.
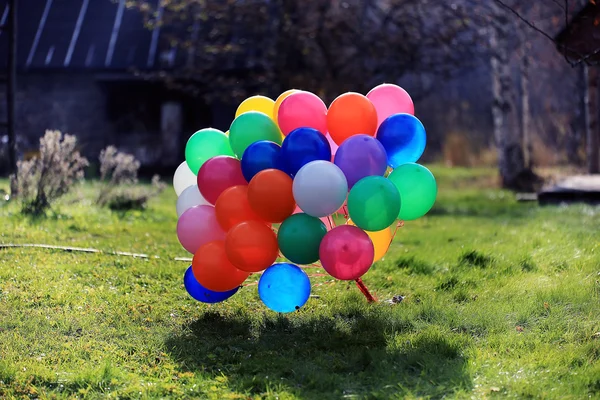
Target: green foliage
(500, 298)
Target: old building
(79, 65)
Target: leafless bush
(119, 178)
(44, 178)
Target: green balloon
(250, 127)
(417, 188)
(373, 203)
(299, 238)
(206, 144)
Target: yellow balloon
(280, 100)
(256, 103)
(381, 241)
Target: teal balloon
(206, 144)
(373, 203)
(418, 190)
(251, 127)
(299, 238)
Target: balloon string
(399, 225)
(365, 291)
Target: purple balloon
(360, 156)
(198, 226)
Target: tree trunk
(525, 112)
(505, 117)
(590, 100)
(579, 122)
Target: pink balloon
(328, 222)
(346, 252)
(197, 226)
(302, 110)
(334, 146)
(390, 99)
(219, 174)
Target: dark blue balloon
(200, 293)
(284, 287)
(302, 146)
(260, 156)
(403, 137)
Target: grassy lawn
(501, 299)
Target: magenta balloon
(197, 226)
(346, 252)
(390, 99)
(219, 174)
(302, 110)
(333, 145)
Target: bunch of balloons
(267, 189)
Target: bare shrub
(119, 177)
(48, 176)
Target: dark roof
(81, 35)
(581, 38)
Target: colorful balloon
(202, 294)
(278, 102)
(270, 195)
(390, 99)
(351, 114)
(302, 110)
(361, 156)
(333, 145)
(417, 188)
(381, 241)
(197, 226)
(214, 271)
(260, 156)
(284, 287)
(374, 203)
(189, 198)
(299, 237)
(256, 103)
(233, 208)
(403, 137)
(183, 178)
(251, 246)
(302, 146)
(320, 188)
(205, 144)
(218, 174)
(346, 252)
(251, 127)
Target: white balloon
(189, 198)
(320, 188)
(183, 178)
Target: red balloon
(212, 269)
(217, 174)
(233, 208)
(346, 252)
(270, 195)
(251, 246)
(351, 114)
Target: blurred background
(501, 83)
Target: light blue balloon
(284, 287)
(403, 137)
(320, 188)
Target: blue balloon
(284, 287)
(302, 146)
(403, 137)
(200, 293)
(260, 156)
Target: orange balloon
(280, 100)
(270, 195)
(213, 270)
(232, 207)
(251, 246)
(351, 114)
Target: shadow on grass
(354, 353)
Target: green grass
(501, 299)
